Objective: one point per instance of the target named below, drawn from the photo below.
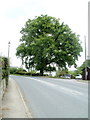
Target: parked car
(66, 76)
(78, 77)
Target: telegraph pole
(8, 56)
(8, 48)
(85, 59)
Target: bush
(15, 70)
(62, 72)
(21, 71)
(5, 69)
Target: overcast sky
(14, 14)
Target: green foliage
(73, 74)
(45, 40)
(21, 71)
(15, 70)
(62, 72)
(5, 69)
(85, 64)
(29, 73)
(79, 69)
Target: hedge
(5, 69)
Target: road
(54, 98)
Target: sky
(15, 13)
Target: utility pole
(8, 56)
(8, 48)
(85, 59)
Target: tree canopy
(46, 41)
(85, 64)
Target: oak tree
(45, 41)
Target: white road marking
(70, 80)
(59, 87)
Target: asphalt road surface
(54, 98)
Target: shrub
(15, 70)
(5, 68)
(62, 72)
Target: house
(86, 73)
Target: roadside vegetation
(4, 69)
(64, 74)
(21, 71)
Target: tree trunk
(41, 72)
